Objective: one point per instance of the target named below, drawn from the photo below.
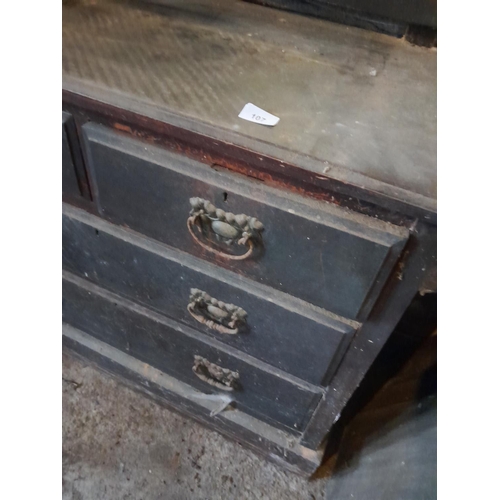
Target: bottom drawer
(175, 349)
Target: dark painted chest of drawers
(239, 278)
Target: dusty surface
(360, 102)
(118, 444)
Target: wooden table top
(354, 106)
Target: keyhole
(224, 196)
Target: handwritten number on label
(253, 113)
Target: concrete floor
(118, 445)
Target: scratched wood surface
(363, 105)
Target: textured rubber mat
(354, 99)
(183, 66)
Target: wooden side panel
(70, 188)
(75, 180)
(371, 337)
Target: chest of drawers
(239, 278)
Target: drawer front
(320, 253)
(297, 340)
(70, 186)
(174, 349)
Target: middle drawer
(271, 326)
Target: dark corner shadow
(400, 385)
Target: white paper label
(255, 114)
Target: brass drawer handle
(212, 374)
(226, 227)
(217, 315)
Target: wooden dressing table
(246, 276)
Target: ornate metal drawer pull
(227, 227)
(217, 315)
(212, 374)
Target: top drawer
(321, 253)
